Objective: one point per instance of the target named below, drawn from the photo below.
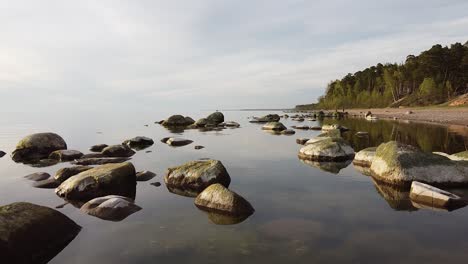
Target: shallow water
(305, 212)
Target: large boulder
(197, 175)
(139, 142)
(434, 197)
(396, 163)
(330, 149)
(215, 118)
(65, 155)
(334, 133)
(118, 179)
(32, 233)
(110, 207)
(37, 146)
(275, 126)
(178, 121)
(266, 119)
(64, 173)
(364, 157)
(220, 199)
(118, 151)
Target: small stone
(288, 132)
(199, 147)
(178, 142)
(98, 148)
(38, 176)
(99, 161)
(301, 141)
(275, 126)
(46, 184)
(2, 153)
(157, 184)
(118, 151)
(145, 175)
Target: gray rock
(64, 173)
(118, 179)
(118, 151)
(275, 126)
(231, 124)
(138, 142)
(145, 175)
(111, 207)
(215, 118)
(99, 161)
(329, 149)
(266, 119)
(301, 141)
(2, 153)
(65, 155)
(197, 175)
(31, 233)
(434, 197)
(157, 184)
(98, 148)
(396, 163)
(365, 157)
(92, 155)
(288, 132)
(37, 146)
(218, 198)
(178, 121)
(362, 134)
(201, 122)
(178, 142)
(38, 176)
(50, 183)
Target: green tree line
(433, 77)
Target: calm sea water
(305, 212)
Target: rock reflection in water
(182, 192)
(397, 197)
(224, 219)
(332, 167)
(363, 170)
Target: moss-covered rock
(196, 175)
(64, 173)
(364, 157)
(397, 163)
(37, 146)
(333, 133)
(275, 126)
(329, 149)
(31, 233)
(220, 199)
(110, 207)
(118, 179)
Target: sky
(204, 54)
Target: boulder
(434, 197)
(220, 199)
(329, 166)
(64, 173)
(32, 233)
(37, 176)
(37, 146)
(266, 119)
(457, 156)
(316, 128)
(65, 155)
(98, 148)
(335, 133)
(178, 142)
(118, 179)
(118, 151)
(396, 163)
(330, 149)
(197, 175)
(288, 132)
(178, 121)
(110, 207)
(275, 126)
(145, 175)
(99, 161)
(362, 134)
(201, 122)
(215, 118)
(50, 183)
(326, 128)
(2, 153)
(364, 157)
(138, 142)
(301, 141)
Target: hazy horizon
(182, 55)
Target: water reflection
(397, 197)
(332, 167)
(224, 219)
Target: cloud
(205, 54)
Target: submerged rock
(118, 151)
(98, 148)
(145, 175)
(65, 155)
(301, 141)
(329, 166)
(118, 179)
(431, 196)
(225, 219)
(396, 163)
(364, 157)
(275, 126)
(288, 132)
(218, 198)
(31, 233)
(37, 146)
(46, 184)
(139, 142)
(64, 173)
(197, 175)
(111, 207)
(178, 142)
(37, 176)
(329, 149)
(99, 161)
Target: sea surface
(304, 212)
